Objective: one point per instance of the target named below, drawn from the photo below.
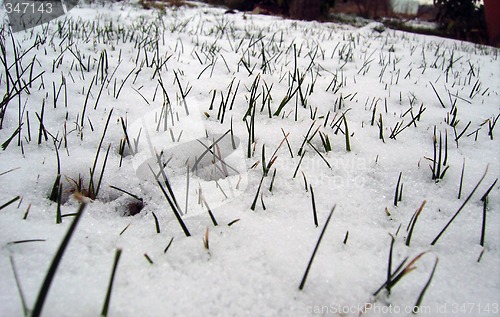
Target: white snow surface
(254, 266)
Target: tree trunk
(305, 9)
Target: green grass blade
(105, 307)
(459, 209)
(42, 295)
(422, 293)
(13, 200)
(304, 278)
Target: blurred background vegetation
(458, 19)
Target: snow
(254, 266)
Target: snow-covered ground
(177, 78)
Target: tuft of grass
(267, 167)
(208, 149)
(306, 273)
(439, 161)
(399, 190)
(93, 188)
(325, 141)
(400, 272)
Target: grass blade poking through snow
(168, 245)
(439, 98)
(422, 293)
(272, 181)
(400, 272)
(187, 188)
(126, 192)
(206, 242)
(93, 191)
(18, 284)
(42, 295)
(105, 307)
(396, 193)
(484, 199)
(461, 180)
(13, 200)
(54, 194)
(150, 261)
(380, 124)
(389, 266)
(174, 209)
(315, 214)
(413, 221)
(214, 221)
(459, 209)
(257, 194)
(300, 161)
(439, 164)
(304, 278)
(320, 155)
(287, 143)
(347, 141)
(157, 223)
